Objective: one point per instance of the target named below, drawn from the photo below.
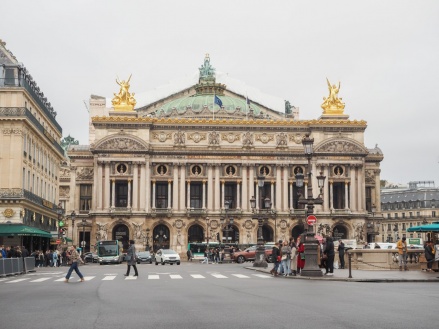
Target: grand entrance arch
(339, 232)
(161, 237)
(297, 231)
(122, 233)
(195, 234)
(267, 233)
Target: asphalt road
(195, 295)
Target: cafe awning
(433, 227)
(22, 230)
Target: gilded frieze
(230, 137)
(197, 137)
(264, 138)
(162, 136)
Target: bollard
(350, 263)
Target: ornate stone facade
(158, 176)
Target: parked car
(91, 257)
(249, 254)
(169, 256)
(144, 257)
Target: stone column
(360, 189)
(135, 186)
(251, 186)
(353, 189)
(175, 188)
(331, 191)
(188, 198)
(285, 187)
(273, 196)
(291, 195)
(305, 189)
(148, 186)
(182, 187)
(326, 190)
(346, 195)
(153, 194)
(277, 198)
(113, 193)
(169, 193)
(217, 188)
(238, 194)
(99, 187)
(210, 186)
(107, 189)
(204, 194)
(95, 197)
(129, 194)
(377, 190)
(222, 193)
(245, 197)
(258, 206)
(142, 187)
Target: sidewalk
(364, 276)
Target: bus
(109, 251)
(198, 248)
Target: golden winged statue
(332, 104)
(124, 100)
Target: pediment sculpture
(340, 147)
(121, 144)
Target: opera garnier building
(207, 162)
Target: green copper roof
(198, 102)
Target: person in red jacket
(300, 256)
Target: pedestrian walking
(429, 255)
(330, 254)
(55, 258)
(275, 256)
(286, 258)
(206, 257)
(189, 255)
(73, 261)
(402, 251)
(300, 256)
(293, 262)
(341, 253)
(131, 259)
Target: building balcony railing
(161, 212)
(18, 193)
(120, 211)
(232, 212)
(24, 112)
(196, 211)
(341, 211)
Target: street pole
(260, 250)
(73, 216)
(83, 243)
(308, 237)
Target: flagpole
(213, 105)
(246, 106)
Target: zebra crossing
(160, 276)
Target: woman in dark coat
(429, 255)
(300, 261)
(131, 259)
(329, 252)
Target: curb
(325, 278)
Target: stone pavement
(365, 276)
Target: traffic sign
(311, 220)
(58, 241)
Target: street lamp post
(260, 250)
(60, 213)
(371, 228)
(147, 238)
(207, 232)
(226, 222)
(73, 217)
(308, 237)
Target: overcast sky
(385, 53)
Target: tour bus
(109, 251)
(198, 248)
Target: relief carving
(282, 140)
(121, 144)
(162, 136)
(247, 139)
(85, 173)
(214, 138)
(264, 138)
(197, 137)
(340, 147)
(230, 137)
(64, 191)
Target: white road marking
(88, 278)
(197, 276)
(62, 279)
(40, 280)
(175, 276)
(219, 276)
(153, 277)
(241, 276)
(18, 280)
(109, 278)
(131, 278)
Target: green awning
(67, 239)
(433, 227)
(22, 230)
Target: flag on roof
(218, 101)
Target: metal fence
(14, 266)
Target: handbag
(278, 259)
(284, 257)
(302, 256)
(324, 257)
(127, 257)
